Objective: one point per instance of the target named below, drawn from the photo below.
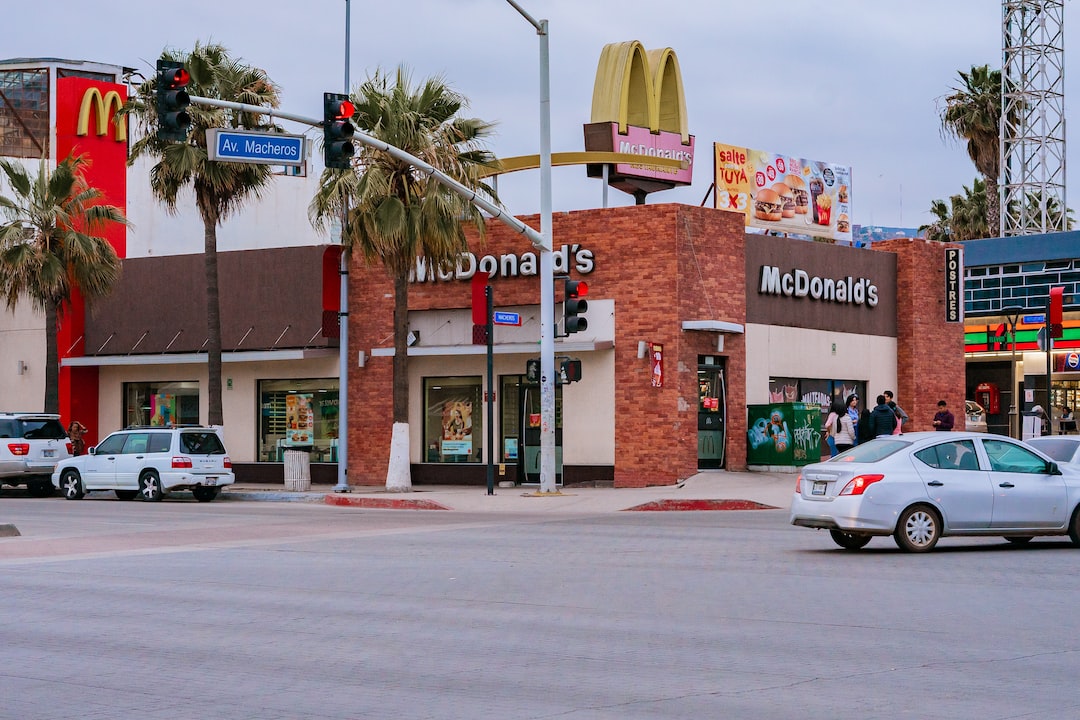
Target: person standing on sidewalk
(901, 416)
(845, 431)
(943, 420)
(882, 420)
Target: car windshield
(872, 451)
(1059, 449)
(48, 429)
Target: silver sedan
(1065, 449)
(919, 487)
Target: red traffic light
(576, 288)
(345, 110)
(177, 78)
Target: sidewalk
(708, 490)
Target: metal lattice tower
(1033, 117)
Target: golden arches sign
(640, 87)
(101, 105)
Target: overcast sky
(853, 82)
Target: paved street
(292, 610)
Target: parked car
(976, 416)
(150, 463)
(30, 446)
(919, 487)
(1065, 449)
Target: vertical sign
(954, 285)
(656, 359)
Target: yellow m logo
(640, 87)
(93, 100)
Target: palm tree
(962, 218)
(220, 188)
(973, 113)
(941, 229)
(397, 214)
(51, 246)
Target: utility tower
(1033, 117)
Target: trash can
(298, 469)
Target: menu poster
(784, 194)
(299, 419)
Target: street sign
(250, 146)
(1033, 319)
(500, 317)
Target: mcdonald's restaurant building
(690, 320)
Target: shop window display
(453, 420)
(161, 404)
(298, 413)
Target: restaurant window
(161, 404)
(453, 424)
(299, 414)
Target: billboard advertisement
(784, 194)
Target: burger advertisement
(784, 194)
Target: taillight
(19, 448)
(858, 484)
(70, 448)
(179, 462)
(228, 463)
(798, 484)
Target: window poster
(457, 428)
(162, 409)
(299, 419)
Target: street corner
(382, 503)
(673, 505)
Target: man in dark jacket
(882, 419)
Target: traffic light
(574, 306)
(570, 370)
(532, 370)
(1054, 316)
(172, 101)
(337, 130)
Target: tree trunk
(993, 207)
(398, 474)
(213, 324)
(52, 360)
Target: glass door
(712, 413)
(527, 428)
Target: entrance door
(712, 413)
(529, 433)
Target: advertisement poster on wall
(299, 419)
(457, 428)
(162, 409)
(785, 434)
(784, 194)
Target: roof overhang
(503, 349)
(713, 326)
(198, 358)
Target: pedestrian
(863, 430)
(832, 426)
(852, 407)
(1068, 423)
(882, 420)
(76, 430)
(943, 419)
(901, 416)
(845, 431)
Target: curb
(271, 496)
(699, 505)
(382, 503)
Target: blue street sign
(249, 146)
(505, 318)
(1033, 319)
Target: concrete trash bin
(297, 470)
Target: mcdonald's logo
(93, 100)
(641, 88)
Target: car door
(1026, 494)
(98, 469)
(954, 480)
(131, 460)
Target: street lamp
(547, 270)
(1012, 314)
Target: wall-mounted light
(361, 358)
(412, 338)
(642, 350)
(21, 366)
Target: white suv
(149, 462)
(30, 446)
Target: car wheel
(40, 489)
(1074, 527)
(126, 494)
(204, 494)
(918, 530)
(1019, 540)
(150, 486)
(849, 541)
(71, 484)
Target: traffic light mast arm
(538, 241)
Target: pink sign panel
(640, 141)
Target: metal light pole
(547, 269)
(1012, 314)
(343, 324)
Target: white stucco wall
(22, 338)
(773, 351)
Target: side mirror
(1052, 468)
(92, 450)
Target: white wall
(773, 351)
(22, 337)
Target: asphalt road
(181, 610)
